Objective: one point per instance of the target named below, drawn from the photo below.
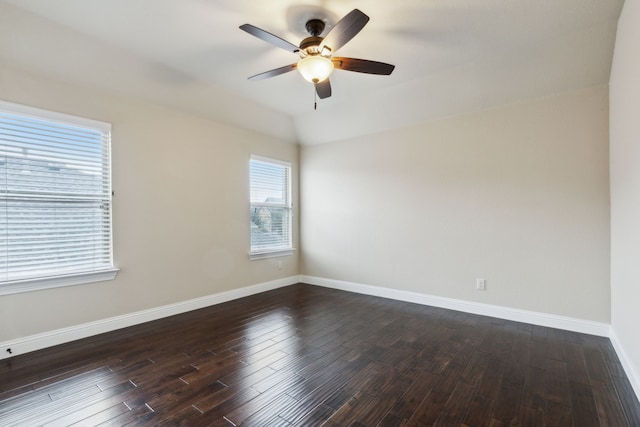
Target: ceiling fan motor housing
(310, 45)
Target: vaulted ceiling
(451, 56)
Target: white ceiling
(451, 56)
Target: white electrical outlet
(279, 265)
(481, 284)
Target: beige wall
(625, 187)
(518, 196)
(181, 213)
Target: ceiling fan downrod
(315, 27)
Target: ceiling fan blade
(274, 72)
(345, 30)
(363, 66)
(323, 89)
(269, 38)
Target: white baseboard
(532, 317)
(625, 360)
(64, 335)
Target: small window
(270, 202)
(55, 199)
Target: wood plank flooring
(309, 356)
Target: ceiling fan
(316, 61)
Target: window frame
(287, 205)
(68, 278)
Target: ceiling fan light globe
(315, 68)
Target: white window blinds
(55, 194)
(270, 182)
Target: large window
(55, 199)
(270, 207)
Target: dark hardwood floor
(306, 356)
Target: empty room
(338, 213)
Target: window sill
(271, 254)
(37, 284)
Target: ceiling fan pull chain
(315, 98)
